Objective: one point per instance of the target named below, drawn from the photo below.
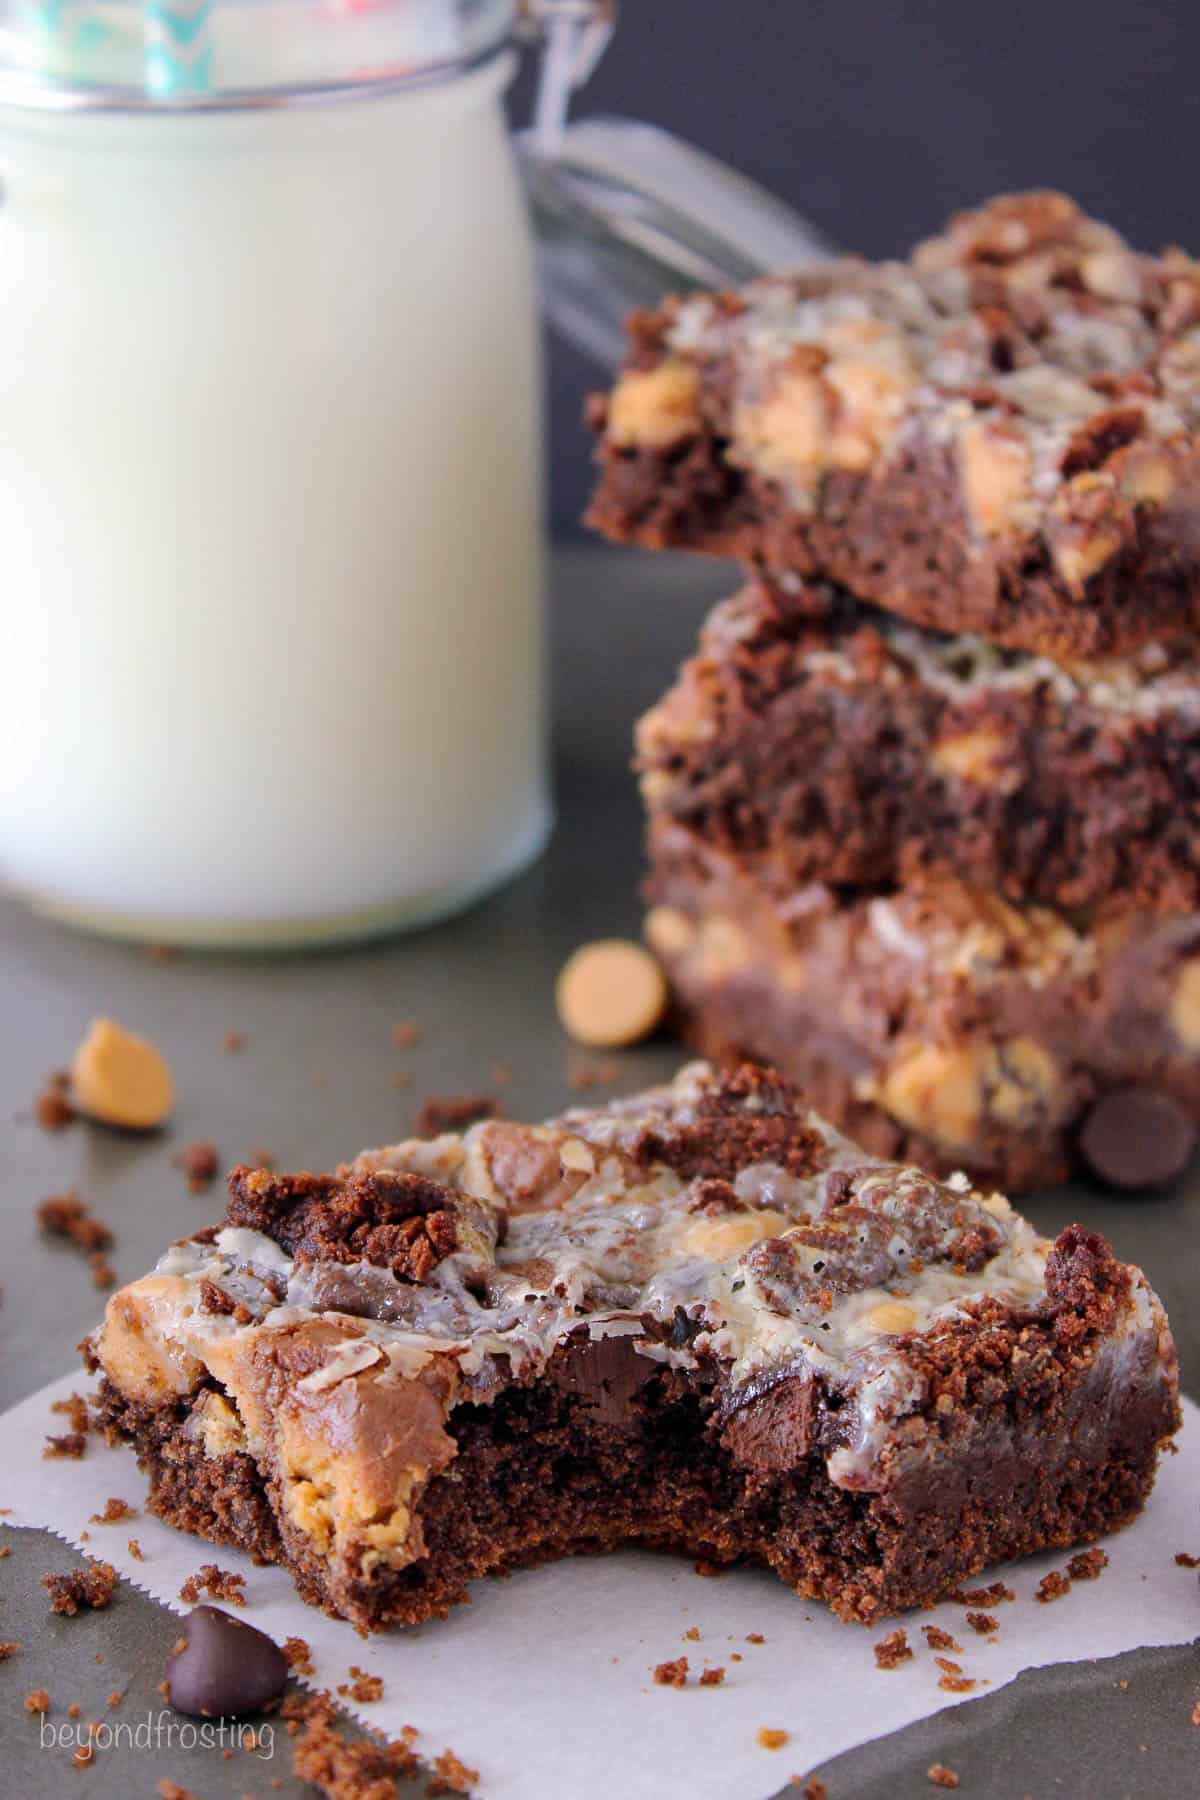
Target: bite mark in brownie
(999, 436)
(818, 1374)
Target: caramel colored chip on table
(121, 1079)
(610, 993)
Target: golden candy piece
(610, 993)
(121, 1079)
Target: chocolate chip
(225, 1668)
(1134, 1138)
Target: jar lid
(188, 55)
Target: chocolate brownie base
(998, 437)
(695, 1320)
(935, 1025)
(818, 739)
(545, 1473)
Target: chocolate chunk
(1135, 1138)
(226, 1668)
(608, 1372)
(772, 1431)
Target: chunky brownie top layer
(823, 739)
(1037, 378)
(332, 1324)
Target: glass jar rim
(189, 56)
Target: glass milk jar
(270, 429)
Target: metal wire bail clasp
(574, 35)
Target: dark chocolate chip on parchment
(225, 1668)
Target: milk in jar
(270, 494)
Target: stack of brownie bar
(924, 807)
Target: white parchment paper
(544, 1683)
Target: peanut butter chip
(892, 1315)
(610, 993)
(121, 1079)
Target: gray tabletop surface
(314, 1082)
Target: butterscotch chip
(121, 1079)
(892, 1316)
(611, 993)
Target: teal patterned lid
(69, 55)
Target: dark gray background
(877, 118)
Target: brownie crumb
(75, 1408)
(582, 1077)
(5, 1550)
(406, 1034)
(66, 1216)
(501, 1075)
(200, 1163)
(233, 1041)
(937, 1639)
(297, 1654)
(771, 1738)
(342, 1770)
(451, 1775)
(52, 1108)
(103, 1273)
(361, 1687)
(948, 1667)
(692, 1634)
(401, 1078)
(1196, 1713)
(892, 1650)
(115, 1699)
(712, 1677)
(986, 1596)
(983, 1623)
(1052, 1587)
(755, 1637)
(454, 1112)
(8, 1649)
(92, 1587)
(814, 1788)
(135, 1550)
(37, 1701)
(940, 1776)
(218, 1584)
(72, 1443)
(214, 1299)
(957, 1684)
(1185, 1561)
(672, 1674)
(74, 1710)
(114, 1511)
(171, 1790)
(1087, 1565)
